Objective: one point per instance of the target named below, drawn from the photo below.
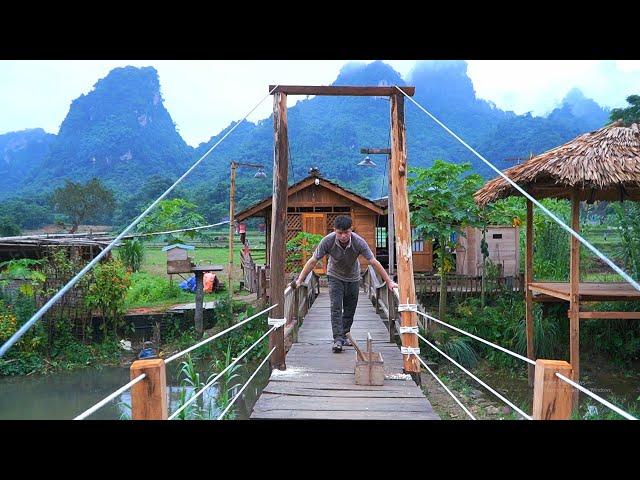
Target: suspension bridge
(307, 380)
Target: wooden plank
(403, 226)
(610, 315)
(269, 401)
(149, 396)
(552, 396)
(343, 415)
(279, 218)
(284, 389)
(389, 386)
(337, 90)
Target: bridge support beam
(149, 396)
(402, 224)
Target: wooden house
(178, 260)
(503, 243)
(312, 206)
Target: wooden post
(403, 230)
(574, 283)
(390, 233)
(278, 219)
(232, 199)
(149, 396)
(528, 295)
(199, 310)
(551, 395)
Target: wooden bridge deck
(320, 384)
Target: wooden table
(199, 271)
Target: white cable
(602, 257)
(478, 338)
(596, 397)
(16, 336)
(201, 391)
(445, 387)
(134, 235)
(106, 400)
(207, 340)
(475, 378)
(245, 385)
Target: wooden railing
(297, 302)
(384, 301)
(467, 285)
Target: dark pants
(344, 299)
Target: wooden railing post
(149, 396)
(552, 397)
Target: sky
(204, 96)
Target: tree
(8, 227)
(173, 214)
(442, 205)
(630, 114)
(83, 202)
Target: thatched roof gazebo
(600, 165)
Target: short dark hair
(342, 222)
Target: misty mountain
(122, 133)
(20, 152)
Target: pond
(64, 395)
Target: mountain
(119, 132)
(20, 152)
(122, 133)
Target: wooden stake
(278, 219)
(528, 295)
(232, 199)
(552, 396)
(574, 303)
(149, 396)
(403, 229)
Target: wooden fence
(429, 284)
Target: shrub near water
(147, 288)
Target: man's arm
(310, 265)
(377, 266)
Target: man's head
(342, 227)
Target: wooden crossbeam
(338, 91)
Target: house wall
(504, 249)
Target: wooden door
(422, 253)
(315, 223)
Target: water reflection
(63, 396)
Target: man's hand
(297, 283)
(391, 285)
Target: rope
(445, 387)
(207, 340)
(245, 385)
(201, 391)
(475, 378)
(513, 354)
(596, 397)
(16, 336)
(106, 400)
(597, 252)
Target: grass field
(150, 287)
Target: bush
(108, 292)
(131, 254)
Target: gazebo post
(574, 285)
(528, 295)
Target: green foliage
(626, 217)
(551, 242)
(228, 383)
(147, 289)
(8, 227)
(458, 347)
(630, 114)
(131, 254)
(32, 212)
(108, 292)
(83, 202)
(301, 247)
(190, 383)
(173, 215)
(22, 269)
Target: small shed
(178, 260)
(503, 243)
(313, 203)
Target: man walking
(343, 274)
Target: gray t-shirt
(343, 262)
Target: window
(497, 235)
(417, 243)
(381, 237)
